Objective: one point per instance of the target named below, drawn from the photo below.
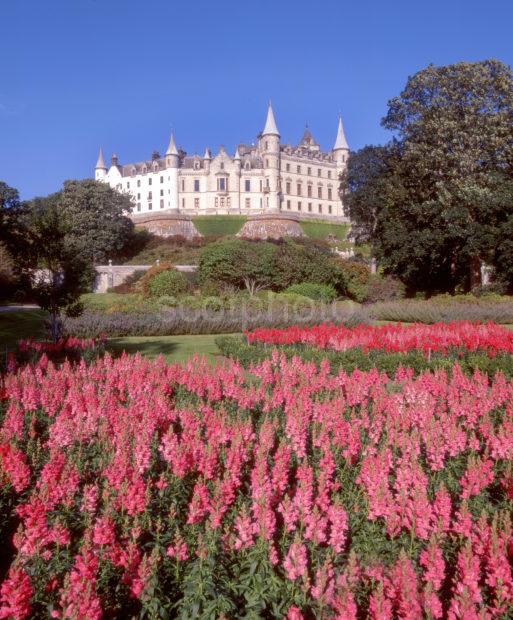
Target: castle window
(149, 181)
(196, 165)
(138, 206)
(248, 165)
(267, 163)
(149, 196)
(161, 204)
(260, 184)
(222, 165)
(319, 172)
(310, 207)
(288, 187)
(260, 203)
(138, 196)
(221, 202)
(329, 194)
(196, 203)
(150, 206)
(267, 182)
(299, 206)
(329, 209)
(217, 201)
(329, 174)
(228, 201)
(267, 201)
(299, 169)
(139, 183)
(266, 145)
(320, 208)
(128, 185)
(183, 203)
(248, 203)
(299, 189)
(183, 185)
(196, 185)
(247, 185)
(221, 184)
(343, 158)
(162, 179)
(161, 192)
(309, 191)
(309, 171)
(288, 204)
(319, 191)
(288, 167)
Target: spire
(171, 149)
(236, 157)
(100, 164)
(270, 124)
(207, 154)
(340, 142)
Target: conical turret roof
(100, 164)
(171, 149)
(207, 154)
(270, 124)
(340, 142)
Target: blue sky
(75, 74)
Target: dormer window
(222, 165)
(133, 171)
(144, 170)
(196, 165)
(248, 165)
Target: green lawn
(219, 225)
(173, 348)
(22, 324)
(19, 325)
(320, 230)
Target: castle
(266, 177)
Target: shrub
(354, 277)
(168, 301)
(383, 289)
(238, 263)
(318, 292)
(168, 282)
(213, 303)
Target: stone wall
(108, 276)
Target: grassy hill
(218, 225)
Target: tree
(95, 216)
(365, 185)
(238, 263)
(439, 195)
(50, 270)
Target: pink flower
(296, 561)
(15, 595)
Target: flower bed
(397, 338)
(129, 487)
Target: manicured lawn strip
(219, 225)
(320, 230)
(21, 324)
(173, 348)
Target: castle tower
(269, 145)
(172, 161)
(340, 148)
(100, 170)
(237, 170)
(207, 158)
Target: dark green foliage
(169, 282)
(438, 201)
(95, 218)
(318, 292)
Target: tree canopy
(437, 201)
